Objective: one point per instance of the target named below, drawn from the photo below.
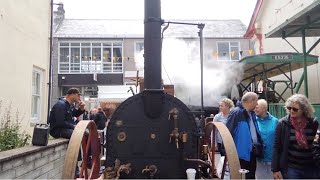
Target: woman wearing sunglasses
(292, 156)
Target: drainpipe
(259, 36)
(252, 33)
(50, 62)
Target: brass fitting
(151, 170)
(205, 149)
(184, 137)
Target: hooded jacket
(238, 125)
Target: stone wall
(34, 162)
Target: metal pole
(291, 80)
(243, 173)
(299, 83)
(201, 26)
(305, 62)
(291, 45)
(265, 79)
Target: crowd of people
(269, 148)
(65, 115)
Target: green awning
(308, 19)
(271, 62)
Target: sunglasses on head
(293, 109)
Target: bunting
(232, 53)
(216, 54)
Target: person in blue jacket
(243, 127)
(267, 126)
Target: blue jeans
(303, 173)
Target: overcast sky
(171, 9)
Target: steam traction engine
(151, 134)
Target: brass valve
(115, 171)
(151, 170)
(175, 135)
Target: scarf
(300, 132)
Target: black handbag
(40, 134)
(257, 150)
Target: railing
(278, 110)
(91, 67)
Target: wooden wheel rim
(78, 138)
(229, 146)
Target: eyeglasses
(293, 109)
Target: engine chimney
(152, 44)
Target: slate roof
(111, 28)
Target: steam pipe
(199, 161)
(201, 26)
(200, 33)
(175, 22)
(152, 45)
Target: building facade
(270, 16)
(24, 47)
(89, 53)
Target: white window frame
(230, 55)
(59, 64)
(70, 56)
(122, 57)
(91, 46)
(135, 47)
(38, 118)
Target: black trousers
(61, 133)
(250, 165)
(221, 149)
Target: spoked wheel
(86, 135)
(229, 146)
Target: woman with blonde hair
(225, 106)
(292, 156)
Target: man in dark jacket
(243, 127)
(62, 117)
(108, 112)
(100, 119)
(62, 113)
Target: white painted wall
(24, 44)
(274, 13)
